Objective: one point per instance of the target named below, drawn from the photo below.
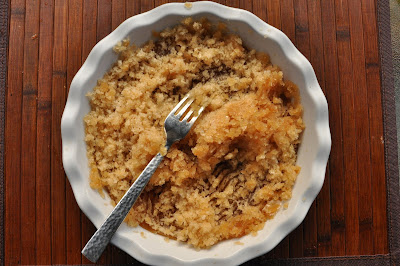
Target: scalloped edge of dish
(90, 66)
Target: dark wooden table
(50, 39)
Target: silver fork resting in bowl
(176, 129)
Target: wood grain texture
(232, 3)
(118, 13)
(58, 179)
(317, 60)
(362, 130)
(336, 167)
(273, 13)
(4, 23)
(347, 88)
(43, 141)
(375, 128)
(50, 39)
(12, 242)
(132, 8)
(287, 19)
(28, 141)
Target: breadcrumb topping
(237, 164)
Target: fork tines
(183, 106)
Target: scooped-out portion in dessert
(236, 166)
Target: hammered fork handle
(99, 241)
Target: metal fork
(176, 129)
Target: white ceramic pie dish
(312, 157)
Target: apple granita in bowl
(236, 167)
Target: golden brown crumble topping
(237, 164)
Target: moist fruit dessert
(236, 166)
